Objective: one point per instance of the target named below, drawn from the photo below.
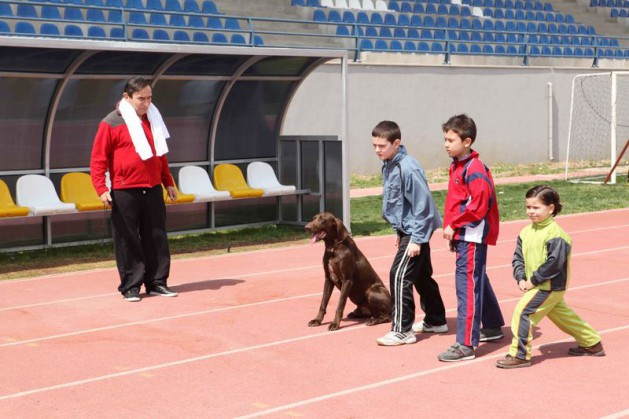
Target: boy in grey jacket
(408, 205)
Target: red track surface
(234, 343)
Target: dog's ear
(341, 231)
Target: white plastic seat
(341, 4)
(368, 5)
(196, 181)
(260, 175)
(327, 3)
(381, 6)
(355, 4)
(38, 194)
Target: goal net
(599, 127)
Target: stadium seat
(182, 198)
(7, 206)
(260, 175)
(200, 37)
(437, 47)
(173, 6)
(208, 6)
(24, 28)
(381, 45)
(161, 35)
(73, 31)
(140, 34)
(215, 23)
(77, 189)
(232, 24)
(366, 45)
(137, 18)
(154, 5)
(342, 30)
(228, 177)
(219, 38)
(348, 17)
(258, 41)
(423, 47)
(341, 4)
(38, 194)
(114, 16)
(191, 6)
(157, 19)
(50, 13)
(26, 10)
(405, 7)
(5, 9)
(177, 20)
(72, 13)
(195, 21)
(96, 32)
(116, 33)
(238, 39)
(390, 19)
(49, 29)
(333, 16)
(410, 46)
(134, 4)
(4, 27)
(381, 6)
(95, 15)
(114, 3)
(182, 36)
(196, 181)
(385, 33)
(368, 5)
(376, 19)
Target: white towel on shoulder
(134, 124)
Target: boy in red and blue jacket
(471, 223)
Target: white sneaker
(423, 327)
(396, 338)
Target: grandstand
(243, 81)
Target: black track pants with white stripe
(406, 273)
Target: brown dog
(349, 270)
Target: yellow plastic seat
(228, 177)
(77, 188)
(7, 206)
(182, 198)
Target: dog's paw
(333, 326)
(314, 323)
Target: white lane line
(400, 379)
(268, 345)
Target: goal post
(599, 126)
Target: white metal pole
(613, 127)
(574, 80)
(551, 156)
(345, 144)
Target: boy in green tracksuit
(541, 266)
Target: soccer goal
(598, 135)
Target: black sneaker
(488, 335)
(162, 290)
(132, 295)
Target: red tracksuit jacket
(471, 208)
(113, 150)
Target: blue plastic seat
(487, 37)
(437, 47)
(453, 22)
(412, 33)
(462, 49)
(49, 29)
(404, 20)
(395, 45)
(425, 34)
(531, 27)
(410, 46)
(530, 15)
(173, 6)
(317, 16)
(191, 6)
(157, 19)
(208, 6)
(181, 36)
(418, 8)
(195, 21)
(161, 35)
(96, 32)
(376, 19)
(137, 18)
(362, 17)
(578, 52)
(4, 27)
(135, 4)
(114, 16)
(116, 33)
(238, 39)
(431, 9)
(342, 30)
(475, 49)
(568, 52)
(465, 24)
(429, 21)
(114, 3)
(534, 50)
(499, 25)
(50, 12)
(348, 17)
(542, 27)
(333, 16)
(399, 33)
(232, 24)
(500, 50)
(512, 50)
(423, 47)
(366, 45)
(140, 34)
(416, 20)
(73, 30)
(154, 5)
(177, 20)
(464, 36)
(439, 34)
(442, 9)
(24, 28)
(219, 38)
(200, 37)
(5, 10)
(385, 33)
(405, 7)
(95, 15)
(26, 10)
(488, 49)
(393, 5)
(389, 19)
(478, 36)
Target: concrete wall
(509, 104)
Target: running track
(234, 343)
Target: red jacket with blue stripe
(471, 207)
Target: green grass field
(366, 221)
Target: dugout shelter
(222, 105)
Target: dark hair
(463, 125)
(135, 84)
(547, 195)
(388, 130)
